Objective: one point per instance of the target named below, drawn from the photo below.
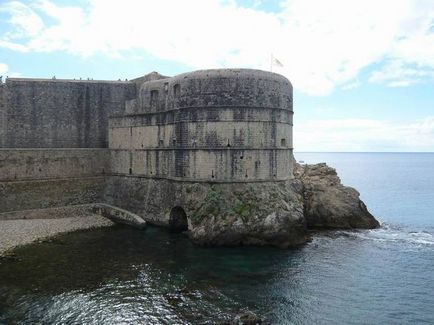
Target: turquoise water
(121, 275)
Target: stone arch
(178, 219)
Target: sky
(362, 71)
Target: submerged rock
(247, 318)
(328, 204)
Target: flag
(276, 62)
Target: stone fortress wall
(210, 126)
(50, 177)
(208, 151)
(53, 140)
(42, 163)
(50, 113)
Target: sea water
(119, 275)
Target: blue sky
(363, 71)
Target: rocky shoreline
(278, 214)
(327, 203)
(281, 214)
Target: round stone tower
(225, 125)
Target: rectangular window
(154, 98)
(177, 90)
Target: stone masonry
(208, 151)
(211, 126)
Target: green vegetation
(216, 203)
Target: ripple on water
(396, 234)
(122, 275)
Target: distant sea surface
(120, 275)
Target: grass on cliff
(217, 204)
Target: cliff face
(249, 214)
(278, 214)
(328, 204)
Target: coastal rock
(249, 214)
(277, 214)
(247, 318)
(255, 213)
(327, 203)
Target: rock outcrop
(249, 214)
(278, 214)
(328, 204)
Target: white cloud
(364, 135)
(3, 69)
(13, 46)
(323, 44)
(351, 85)
(27, 22)
(397, 73)
(5, 72)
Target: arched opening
(178, 219)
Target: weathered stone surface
(249, 214)
(223, 125)
(208, 151)
(118, 215)
(260, 213)
(263, 213)
(328, 204)
(54, 113)
(49, 193)
(43, 163)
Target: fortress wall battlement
(53, 113)
(214, 88)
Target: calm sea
(124, 276)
